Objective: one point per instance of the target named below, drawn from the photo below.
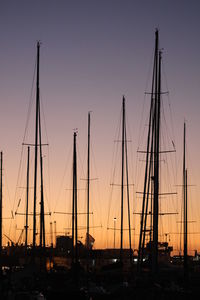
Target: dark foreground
(110, 283)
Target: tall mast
(27, 197)
(36, 143)
(88, 184)
(156, 154)
(1, 179)
(185, 204)
(88, 200)
(75, 201)
(74, 206)
(73, 195)
(151, 169)
(122, 177)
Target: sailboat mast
(36, 144)
(73, 196)
(75, 201)
(27, 197)
(156, 154)
(74, 206)
(122, 177)
(185, 202)
(1, 179)
(184, 135)
(128, 199)
(151, 169)
(88, 184)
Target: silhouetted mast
(74, 206)
(124, 168)
(1, 179)
(156, 155)
(75, 201)
(185, 205)
(27, 198)
(88, 184)
(36, 144)
(73, 192)
(128, 202)
(151, 179)
(122, 177)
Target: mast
(73, 192)
(156, 155)
(74, 206)
(36, 143)
(122, 178)
(185, 205)
(124, 167)
(128, 202)
(27, 198)
(151, 179)
(150, 182)
(88, 200)
(1, 179)
(88, 184)
(75, 201)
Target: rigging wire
(61, 188)
(24, 137)
(48, 154)
(113, 166)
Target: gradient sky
(92, 53)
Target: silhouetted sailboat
(124, 184)
(151, 192)
(38, 159)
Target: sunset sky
(92, 53)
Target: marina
(68, 230)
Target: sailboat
(30, 260)
(153, 250)
(36, 250)
(122, 254)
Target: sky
(92, 53)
